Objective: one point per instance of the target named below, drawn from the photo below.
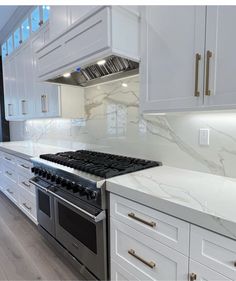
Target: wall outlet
(204, 137)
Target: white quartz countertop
(200, 198)
(29, 149)
(203, 199)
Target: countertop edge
(207, 221)
(16, 153)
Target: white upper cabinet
(59, 20)
(187, 58)
(221, 42)
(172, 39)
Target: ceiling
(5, 13)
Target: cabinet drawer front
(118, 273)
(78, 42)
(24, 166)
(11, 191)
(214, 251)
(8, 158)
(144, 257)
(24, 183)
(166, 229)
(27, 203)
(10, 173)
(203, 273)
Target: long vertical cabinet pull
(197, 60)
(10, 113)
(44, 103)
(209, 55)
(23, 107)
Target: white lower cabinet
(144, 257)
(139, 252)
(15, 173)
(200, 272)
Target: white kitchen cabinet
(14, 182)
(59, 19)
(144, 257)
(214, 251)
(10, 89)
(173, 75)
(24, 82)
(200, 272)
(222, 44)
(171, 38)
(77, 12)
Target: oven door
(45, 205)
(84, 235)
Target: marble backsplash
(112, 119)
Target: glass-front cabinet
(4, 50)
(25, 30)
(35, 19)
(10, 45)
(38, 16)
(17, 38)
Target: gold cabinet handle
(27, 207)
(9, 191)
(23, 107)
(209, 55)
(193, 276)
(197, 60)
(25, 184)
(24, 166)
(8, 159)
(150, 264)
(133, 216)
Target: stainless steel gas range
(71, 203)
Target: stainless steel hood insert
(114, 68)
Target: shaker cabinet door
(221, 43)
(172, 57)
(199, 272)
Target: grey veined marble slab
(199, 198)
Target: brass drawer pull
(24, 166)
(193, 276)
(27, 207)
(8, 159)
(9, 191)
(209, 55)
(197, 59)
(25, 184)
(8, 173)
(151, 264)
(133, 216)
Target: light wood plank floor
(24, 253)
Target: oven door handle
(101, 216)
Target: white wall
(113, 119)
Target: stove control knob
(33, 170)
(40, 172)
(63, 182)
(69, 185)
(58, 180)
(44, 173)
(53, 178)
(48, 176)
(36, 171)
(93, 194)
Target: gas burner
(100, 164)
